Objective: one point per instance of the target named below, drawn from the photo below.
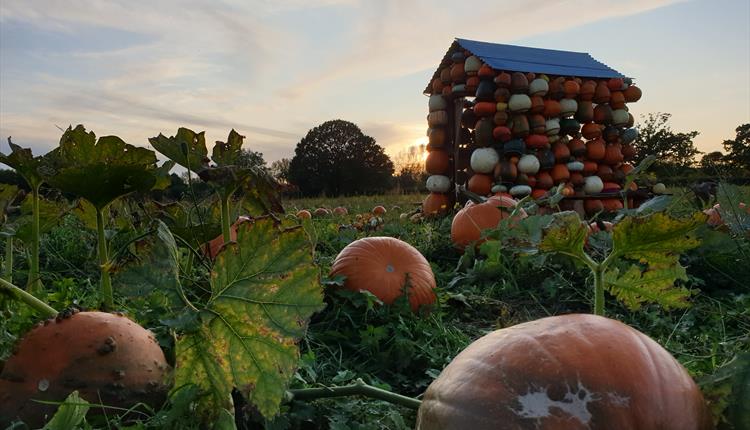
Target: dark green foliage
(675, 151)
(738, 149)
(336, 158)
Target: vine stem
(28, 299)
(106, 282)
(34, 283)
(8, 269)
(225, 222)
(359, 388)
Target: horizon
(274, 70)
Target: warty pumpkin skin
(564, 372)
(381, 265)
(108, 358)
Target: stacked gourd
(532, 132)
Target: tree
(713, 162)
(280, 170)
(738, 149)
(250, 158)
(410, 173)
(337, 158)
(675, 152)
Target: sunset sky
(274, 69)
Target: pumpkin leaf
(265, 287)
(187, 148)
(119, 168)
(70, 414)
(637, 286)
(8, 194)
(151, 269)
(161, 173)
(186, 224)
(32, 169)
(565, 234)
(656, 239)
(228, 153)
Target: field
(355, 337)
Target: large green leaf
(656, 239)
(194, 226)
(151, 269)
(70, 414)
(32, 169)
(8, 194)
(265, 287)
(565, 234)
(103, 171)
(637, 286)
(187, 148)
(228, 153)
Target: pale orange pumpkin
(379, 210)
(573, 371)
(385, 266)
(436, 204)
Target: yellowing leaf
(565, 234)
(656, 238)
(637, 286)
(265, 287)
(187, 148)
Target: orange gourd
(560, 173)
(615, 84)
(437, 162)
(384, 266)
(480, 184)
(551, 108)
(595, 149)
(587, 91)
(601, 94)
(537, 105)
(571, 89)
(591, 130)
(617, 100)
(612, 205)
(469, 222)
(575, 371)
(544, 181)
(590, 167)
(593, 206)
(613, 154)
(577, 147)
(304, 214)
(378, 210)
(632, 94)
(436, 204)
(561, 151)
(340, 211)
(603, 114)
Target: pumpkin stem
(359, 388)
(22, 296)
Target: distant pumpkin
(385, 266)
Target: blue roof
(523, 59)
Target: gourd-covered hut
(518, 120)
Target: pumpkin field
(234, 307)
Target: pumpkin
(556, 88)
(437, 102)
(595, 149)
(544, 181)
(601, 94)
(615, 84)
(603, 114)
(437, 118)
(587, 90)
(538, 193)
(551, 108)
(613, 154)
(577, 147)
(590, 167)
(469, 222)
(528, 164)
(379, 210)
(436, 137)
(502, 95)
(437, 86)
(538, 87)
(536, 141)
(515, 147)
(384, 266)
(458, 75)
(483, 160)
(585, 112)
(560, 173)
(571, 89)
(304, 214)
(632, 94)
(568, 107)
(506, 171)
(438, 184)
(501, 133)
(576, 178)
(537, 105)
(605, 172)
(472, 65)
(483, 132)
(617, 100)
(593, 185)
(593, 206)
(519, 83)
(485, 108)
(340, 211)
(628, 151)
(520, 190)
(108, 358)
(321, 212)
(573, 371)
(519, 125)
(503, 80)
(436, 204)
(480, 184)
(620, 117)
(552, 126)
(591, 130)
(537, 124)
(486, 73)
(612, 205)
(437, 162)
(519, 103)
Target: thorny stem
(359, 388)
(34, 283)
(28, 299)
(106, 282)
(8, 269)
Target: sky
(273, 70)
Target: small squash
(469, 222)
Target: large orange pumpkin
(437, 162)
(108, 358)
(564, 372)
(469, 222)
(384, 266)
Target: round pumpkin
(469, 222)
(480, 184)
(384, 266)
(379, 210)
(612, 205)
(304, 214)
(596, 149)
(438, 183)
(573, 371)
(108, 358)
(632, 94)
(321, 212)
(437, 162)
(591, 130)
(436, 204)
(340, 211)
(593, 206)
